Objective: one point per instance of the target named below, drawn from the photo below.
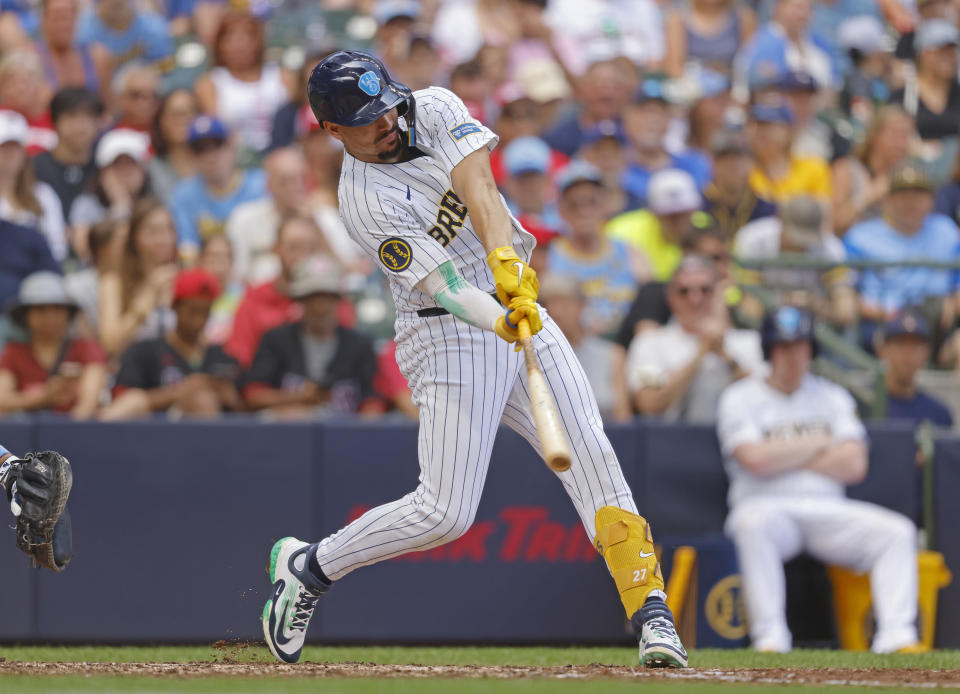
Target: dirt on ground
(231, 668)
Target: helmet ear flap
(408, 110)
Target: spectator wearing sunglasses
(678, 371)
(650, 308)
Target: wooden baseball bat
(553, 440)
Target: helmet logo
(788, 321)
(369, 83)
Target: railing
(873, 397)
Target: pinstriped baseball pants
(465, 382)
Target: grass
(445, 655)
(474, 655)
(124, 685)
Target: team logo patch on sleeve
(395, 254)
(464, 129)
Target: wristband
(502, 253)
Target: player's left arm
(844, 461)
(472, 305)
(845, 458)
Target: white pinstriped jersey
(407, 217)
(751, 411)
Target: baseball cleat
(295, 594)
(660, 646)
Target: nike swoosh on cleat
(278, 636)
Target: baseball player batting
(416, 192)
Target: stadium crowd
(170, 241)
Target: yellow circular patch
(395, 254)
(725, 610)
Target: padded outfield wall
(173, 523)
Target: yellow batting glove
(503, 329)
(521, 307)
(512, 276)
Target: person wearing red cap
(178, 373)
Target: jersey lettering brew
(408, 218)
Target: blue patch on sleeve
(464, 129)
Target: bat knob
(559, 463)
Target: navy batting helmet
(785, 324)
(353, 88)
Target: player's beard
(395, 153)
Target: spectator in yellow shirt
(673, 200)
(777, 174)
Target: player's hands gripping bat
(513, 277)
(37, 488)
(520, 308)
(553, 440)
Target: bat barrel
(553, 439)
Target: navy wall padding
(893, 479)
(173, 523)
(946, 472)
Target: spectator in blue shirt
(128, 33)
(785, 45)
(646, 121)
(908, 230)
(201, 204)
(904, 347)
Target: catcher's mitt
(40, 489)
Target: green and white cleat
(660, 646)
(296, 590)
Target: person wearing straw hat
(51, 370)
(313, 366)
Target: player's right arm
(465, 143)
(473, 181)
